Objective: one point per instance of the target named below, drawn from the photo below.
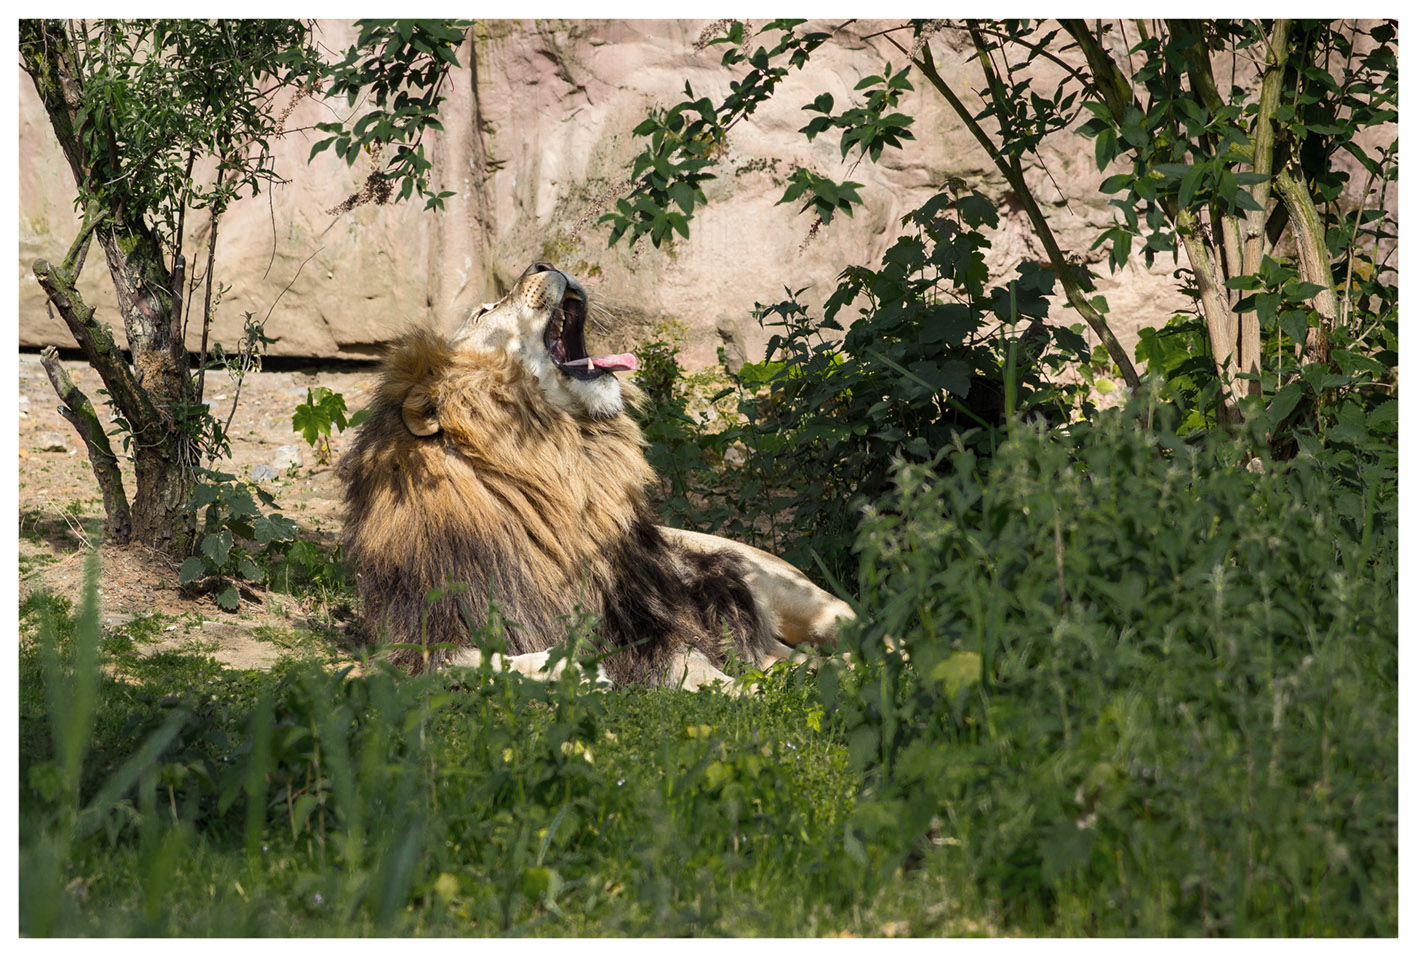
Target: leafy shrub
(1137, 686)
(936, 354)
(674, 445)
(234, 537)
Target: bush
(1134, 686)
(936, 354)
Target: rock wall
(537, 143)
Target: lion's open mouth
(565, 342)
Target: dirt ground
(61, 511)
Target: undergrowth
(1109, 681)
(1142, 684)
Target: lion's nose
(539, 267)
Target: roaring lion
(498, 468)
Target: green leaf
(1294, 323)
(1098, 109)
(683, 194)
(203, 495)
(308, 421)
(1105, 149)
(1190, 182)
(229, 598)
(192, 569)
(1383, 415)
(961, 670)
(977, 210)
(217, 547)
(1284, 402)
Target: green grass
(1131, 688)
(516, 807)
(28, 564)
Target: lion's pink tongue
(621, 362)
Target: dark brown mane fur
(527, 507)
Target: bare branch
(95, 339)
(177, 347)
(207, 308)
(1111, 83)
(1198, 63)
(1308, 232)
(1263, 138)
(80, 413)
(79, 248)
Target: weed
(322, 411)
(1124, 694)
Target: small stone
(264, 473)
(286, 457)
(51, 442)
(735, 348)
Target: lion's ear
(420, 414)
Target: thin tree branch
(1037, 48)
(80, 413)
(1352, 238)
(1263, 138)
(1219, 320)
(1076, 296)
(95, 339)
(1111, 83)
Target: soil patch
(61, 514)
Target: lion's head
(541, 323)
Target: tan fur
(483, 465)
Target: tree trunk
(149, 392)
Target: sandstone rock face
(537, 144)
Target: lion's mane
(524, 506)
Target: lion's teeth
(589, 363)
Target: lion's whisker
(599, 307)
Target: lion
(498, 469)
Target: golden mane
(527, 507)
